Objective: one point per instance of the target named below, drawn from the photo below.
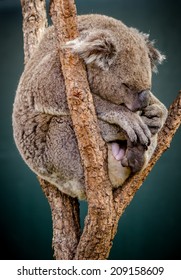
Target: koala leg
(63, 152)
(49, 147)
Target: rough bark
(95, 240)
(34, 24)
(64, 209)
(65, 219)
(104, 206)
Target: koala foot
(129, 155)
(134, 157)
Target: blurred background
(150, 228)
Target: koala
(119, 63)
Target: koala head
(119, 60)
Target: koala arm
(41, 87)
(154, 115)
(130, 122)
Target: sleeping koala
(119, 62)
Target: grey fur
(119, 65)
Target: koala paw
(152, 117)
(137, 131)
(134, 158)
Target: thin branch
(124, 195)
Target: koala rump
(119, 62)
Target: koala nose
(144, 98)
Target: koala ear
(155, 55)
(97, 47)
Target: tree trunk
(105, 206)
(95, 241)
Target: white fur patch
(117, 173)
(50, 111)
(72, 187)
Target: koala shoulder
(42, 83)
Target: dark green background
(151, 226)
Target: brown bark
(104, 206)
(65, 218)
(34, 24)
(64, 209)
(95, 240)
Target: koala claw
(139, 133)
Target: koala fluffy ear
(155, 55)
(97, 47)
